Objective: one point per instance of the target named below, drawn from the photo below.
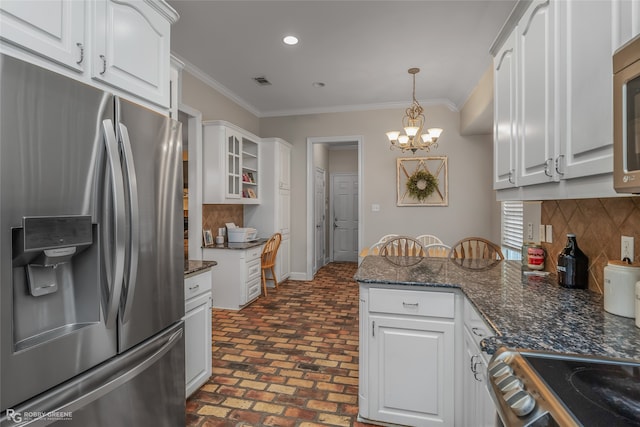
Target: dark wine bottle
(573, 265)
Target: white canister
(620, 288)
(638, 304)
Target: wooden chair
(403, 251)
(437, 250)
(268, 261)
(428, 239)
(476, 248)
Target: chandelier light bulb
(411, 131)
(393, 135)
(403, 139)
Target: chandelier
(413, 122)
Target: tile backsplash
(216, 216)
(598, 225)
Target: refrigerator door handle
(115, 271)
(134, 224)
(95, 384)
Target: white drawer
(253, 289)
(196, 284)
(253, 270)
(253, 253)
(415, 303)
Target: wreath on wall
(421, 184)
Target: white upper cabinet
(284, 151)
(626, 21)
(53, 29)
(585, 121)
(505, 121)
(131, 41)
(116, 45)
(536, 97)
(563, 98)
(231, 167)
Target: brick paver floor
(290, 359)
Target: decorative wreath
(421, 184)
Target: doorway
(320, 217)
(317, 153)
(191, 120)
(344, 209)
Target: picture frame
(437, 166)
(207, 237)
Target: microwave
(626, 117)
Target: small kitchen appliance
(619, 288)
(242, 234)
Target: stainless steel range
(549, 389)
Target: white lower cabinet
(237, 277)
(478, 407)
(407, 357)
(197, 329)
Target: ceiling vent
(262, 81)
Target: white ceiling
(360, 49)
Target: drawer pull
(478, 332)
(409, 304)
(191, 288)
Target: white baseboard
(299, 276)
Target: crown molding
(214, 84)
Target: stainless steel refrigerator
(91, 256)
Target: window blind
(512, 225)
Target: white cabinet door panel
(197, 326)
(131, 49)
(53, 29)
(536, 97)
(505, 130)
(587, 126)
(412, 363)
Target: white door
(344, 190)
(319, 218)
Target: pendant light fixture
(413, 123)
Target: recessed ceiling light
(290, 40)
(318, 84)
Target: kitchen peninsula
(525, 311)
(419, 322)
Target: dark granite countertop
(245, 245)
(528, 312)
(193, 266)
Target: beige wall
(343, 161)
(215, 106)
